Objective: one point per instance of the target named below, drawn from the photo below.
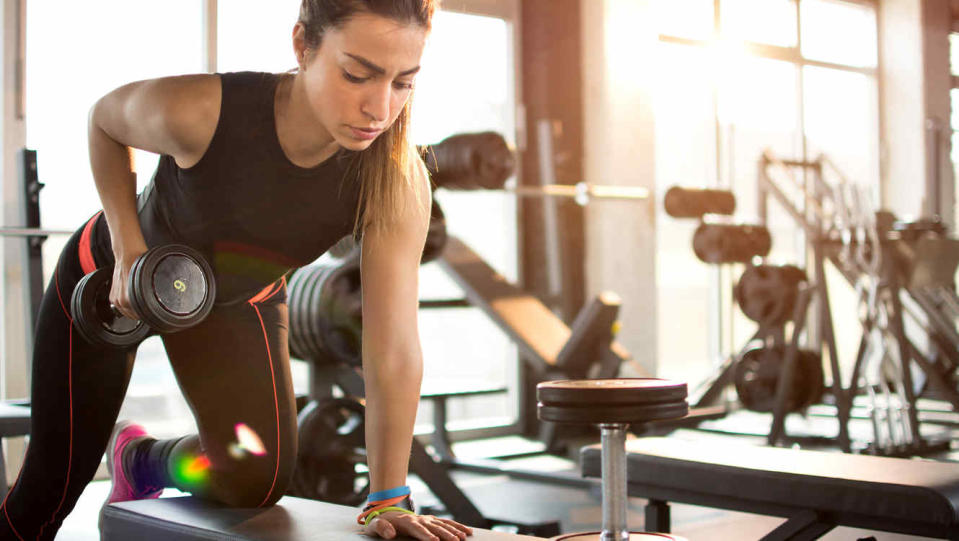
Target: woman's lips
(364, 134)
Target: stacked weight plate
(326, 313)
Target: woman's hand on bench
(423, 527)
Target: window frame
(721, 304)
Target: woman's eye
(403, 85)
(353, 78)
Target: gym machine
(890, 264)
(902, 273)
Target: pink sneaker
(121, 488)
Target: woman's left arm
(393, 361)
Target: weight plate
(610, 413)
(767, 294)
(162, 274)
(180, 285)
(331, 456)
(614, 391)
(295, 335)
(756, 376)
(94, 318)
(436, 236)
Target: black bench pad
(893, 494)
(292, 519)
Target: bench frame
(802, 523)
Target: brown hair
(385, 168)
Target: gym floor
(577, 510)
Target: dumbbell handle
(116, 311)
(614, 482)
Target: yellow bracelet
(373, 514)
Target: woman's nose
(377, 103)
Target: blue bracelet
(387, 494)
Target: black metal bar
(827, 333)
(31, 197)
(936, 318)
(771, 188)
(441, 438)
(701, 496)
(437, 478)
(899, 331)
(936, 379)
(853, 388)
(444, 303)
(657, 516)
(804, 526)
(787, 374)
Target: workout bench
(292, 519)
(815, 490)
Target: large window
(794, 76)
(464, 88)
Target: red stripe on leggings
(66, 484)
(268, 291)
(276, 405)
(86, 252)
(4, 505)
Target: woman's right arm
(175, 116)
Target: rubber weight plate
(296, 345)
(436, 236)
(172, 287)
(756, 376)
(611, 413)
(94, 317)
(613, 391)
(331, 453)
(767, 293)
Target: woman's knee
(256, 483)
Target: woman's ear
(300, 47)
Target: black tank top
(245, 205)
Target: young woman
(262, 173)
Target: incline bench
(292, 519)
(815, 490)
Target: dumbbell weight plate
(612, 413)
(611, 391)
(172, 287)
(295, 334)
(95, 319)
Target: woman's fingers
(380, 528)
(422, 527)
(457, 526)
(444, 531)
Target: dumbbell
(612, 404)
(171, 288)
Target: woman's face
(361, 76)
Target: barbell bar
(580, 192)
(30, 232)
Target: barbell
(30, 232)
(485, 161)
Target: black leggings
(232, 368)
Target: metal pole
(614, 483)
